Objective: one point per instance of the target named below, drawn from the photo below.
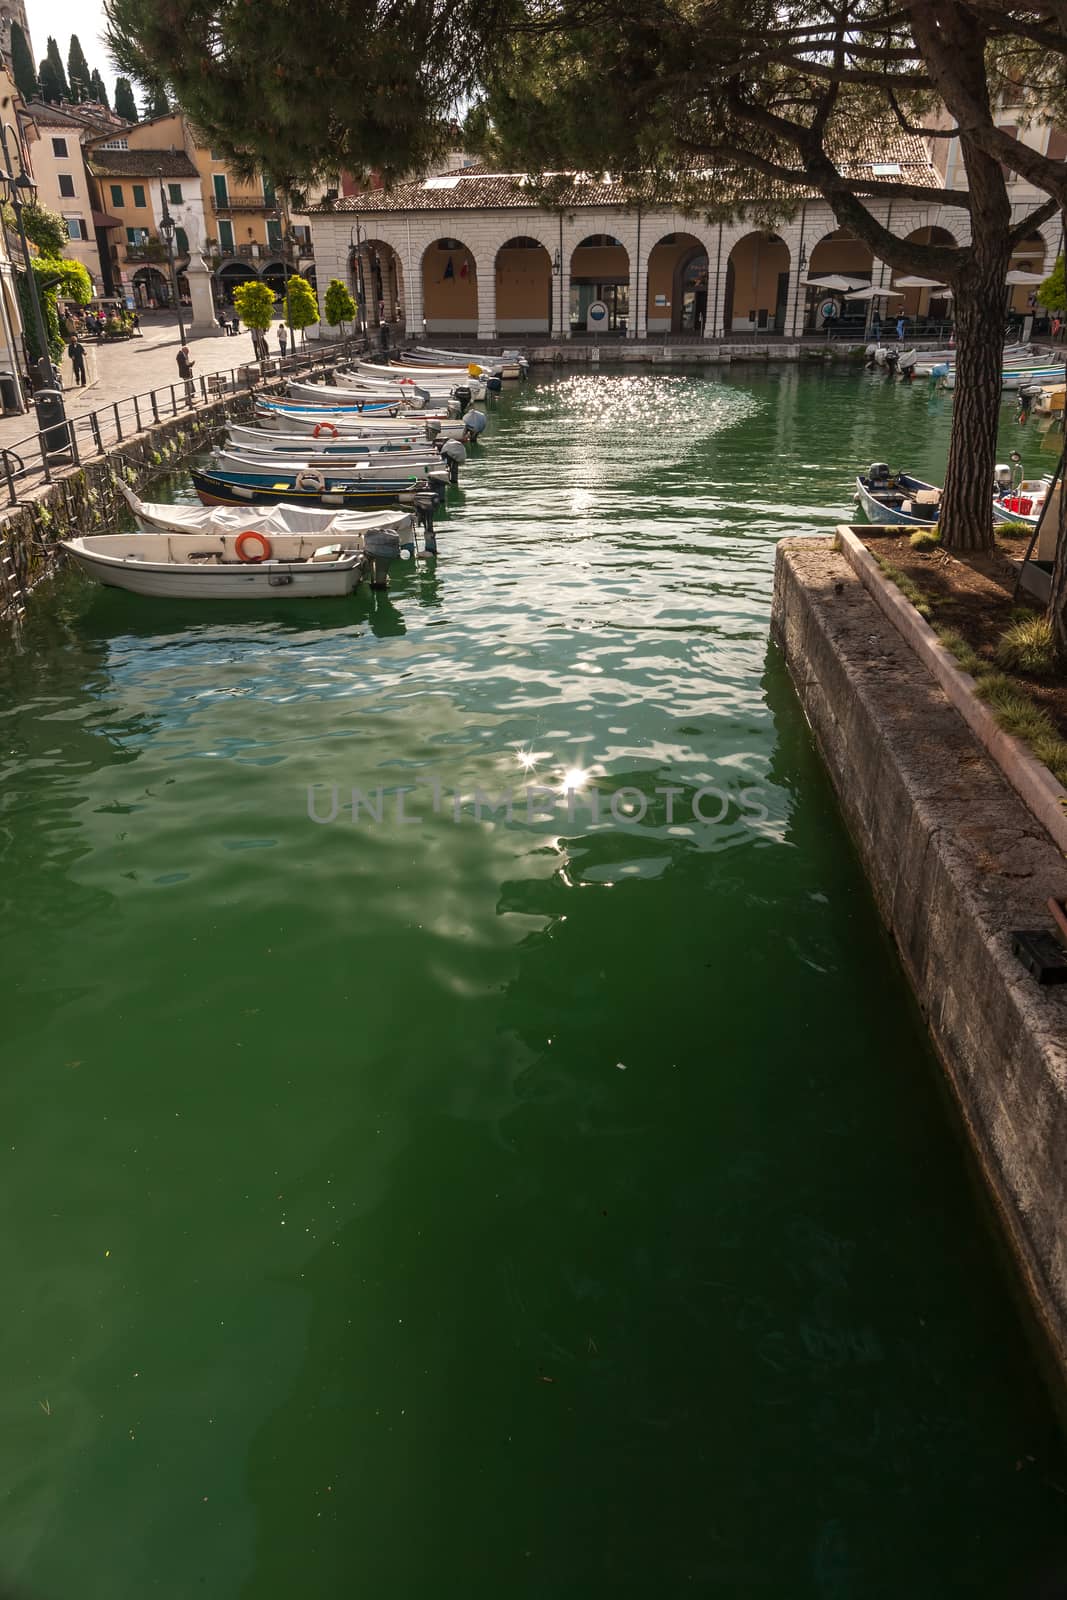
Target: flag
(464, 269)
(450, 271)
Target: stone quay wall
(956, 862)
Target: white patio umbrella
(1024, 277)
(874, 294)
(918, 283)
(834, 282)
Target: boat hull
(268, 580)
(213, 490)
(878, 512)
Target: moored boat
(238, 566)
(892, 497)
(432, 472)
(226, 487)
(331, 442)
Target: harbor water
(528, 1176)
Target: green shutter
(116, 195)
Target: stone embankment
(956, 862)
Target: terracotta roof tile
(139, 163)
(479, 189)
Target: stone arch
(920, 305)
(385, 278)
(522, 269)
(276, 273)
(676, 284)
(230, 274)
(449, 287)
(756, 292)
(1030, 255)
(600, 271)
(837, 254)
(150, 287)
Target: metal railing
(53, 449)
(244, 203)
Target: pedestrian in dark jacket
(77, 359)
(185, 370)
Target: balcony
(224, 207)
(154, 251)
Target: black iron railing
(50, 450)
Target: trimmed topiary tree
(301, 307)
(340, 306)
(255, 307)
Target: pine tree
(98, 90)
(78, 74)
(22, 67)
(125, 104)
(55, 61)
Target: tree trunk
(1057, 600)
(966, 515)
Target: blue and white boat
(897, 497)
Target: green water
(461, 1208)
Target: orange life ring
(265, 547)
(324, 427)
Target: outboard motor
(453, 452)
(524, 368)
(424, 504)
(453, 408)
(474, 422)
(871, 352)
(1002, 477)
(892, 361)
(463, 395)
(433, 430)
(494, 384)
(939, 371)
(878, 474)
(382, 547)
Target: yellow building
(244, 230)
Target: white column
(485, 268)
(370, 291)
(718, 261)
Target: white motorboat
(269, 467)
(512, 364)
(303, 452)
(410, 441)
(237, 566)
(1012, 378)
(292, 417)
(434, 391)
(331, 394)
(275, 522)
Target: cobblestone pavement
(134, 366)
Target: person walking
(77, 360)
(185, 370)
(283, 338)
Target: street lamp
(166, 228)
(47, 396)
(356, 239)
